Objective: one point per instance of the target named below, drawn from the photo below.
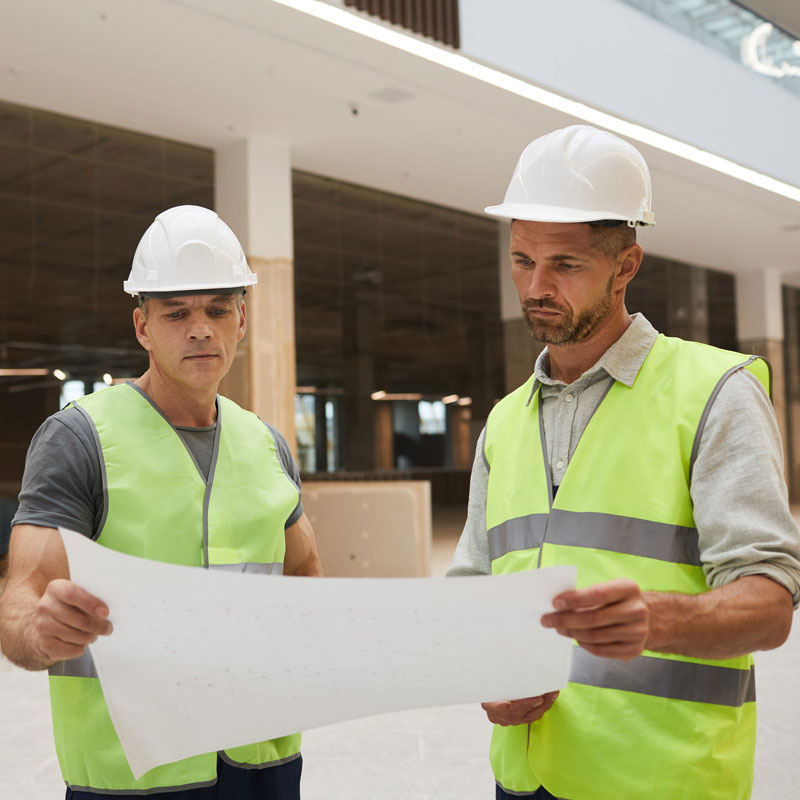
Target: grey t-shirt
(63, 485)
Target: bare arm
(44, 617)
(302, 557)
(750, 613)
(617, 620)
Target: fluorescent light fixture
(465, 401)
(108, 380)
(451, 398)
(60, 374)
(357, 23)
(21, 373)
(380, 395)
(306, 390)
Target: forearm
(749, 614)
(44, 617)
(302, 556)
(17, 621)
(471, 556)
(310, 566)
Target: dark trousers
(233, 783)
(540, 794)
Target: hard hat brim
(184, 293)
(534, 213)
(176, 291)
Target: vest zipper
(549, 477)
(210, 482)
(548, 473)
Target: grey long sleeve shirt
(738, 489)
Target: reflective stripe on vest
(159, 505)
(638, 537)
(663, 677)
(660, 726)
(250, 567)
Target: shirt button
(559, 465)
(569, 398)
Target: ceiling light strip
(494, 77)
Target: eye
(219, 312)
(522, 262)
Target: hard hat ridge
(579, 174)
(188, 249)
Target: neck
(192, 408)
(569, 361)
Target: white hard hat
(579, 174)
(188, 249)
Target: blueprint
(202, 660)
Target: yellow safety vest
(159, 506)
(662, 726)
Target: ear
(242, 322)
(628, 262)
(140, 327)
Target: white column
(759, 306)
(509, 299)
(253, 186)
(759, 323)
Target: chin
(203, 378)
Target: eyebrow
(175, 303)
(557, 257)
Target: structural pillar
(384, 435)
(358, 336)
(253, 187)
(759, 324)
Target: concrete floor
(414, 755)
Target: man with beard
(652, 464)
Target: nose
(539, 284)
(200, 329)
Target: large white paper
(201, 660)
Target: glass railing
(735, 31)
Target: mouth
(543, 313)
(201, 357)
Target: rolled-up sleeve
(741, 506)
(472, 552)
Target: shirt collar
(622, 361)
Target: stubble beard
(568, 328)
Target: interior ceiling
(203, 72)
(783, 13)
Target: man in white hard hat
(655, 466)
(133, 467)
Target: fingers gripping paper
(202, 660)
